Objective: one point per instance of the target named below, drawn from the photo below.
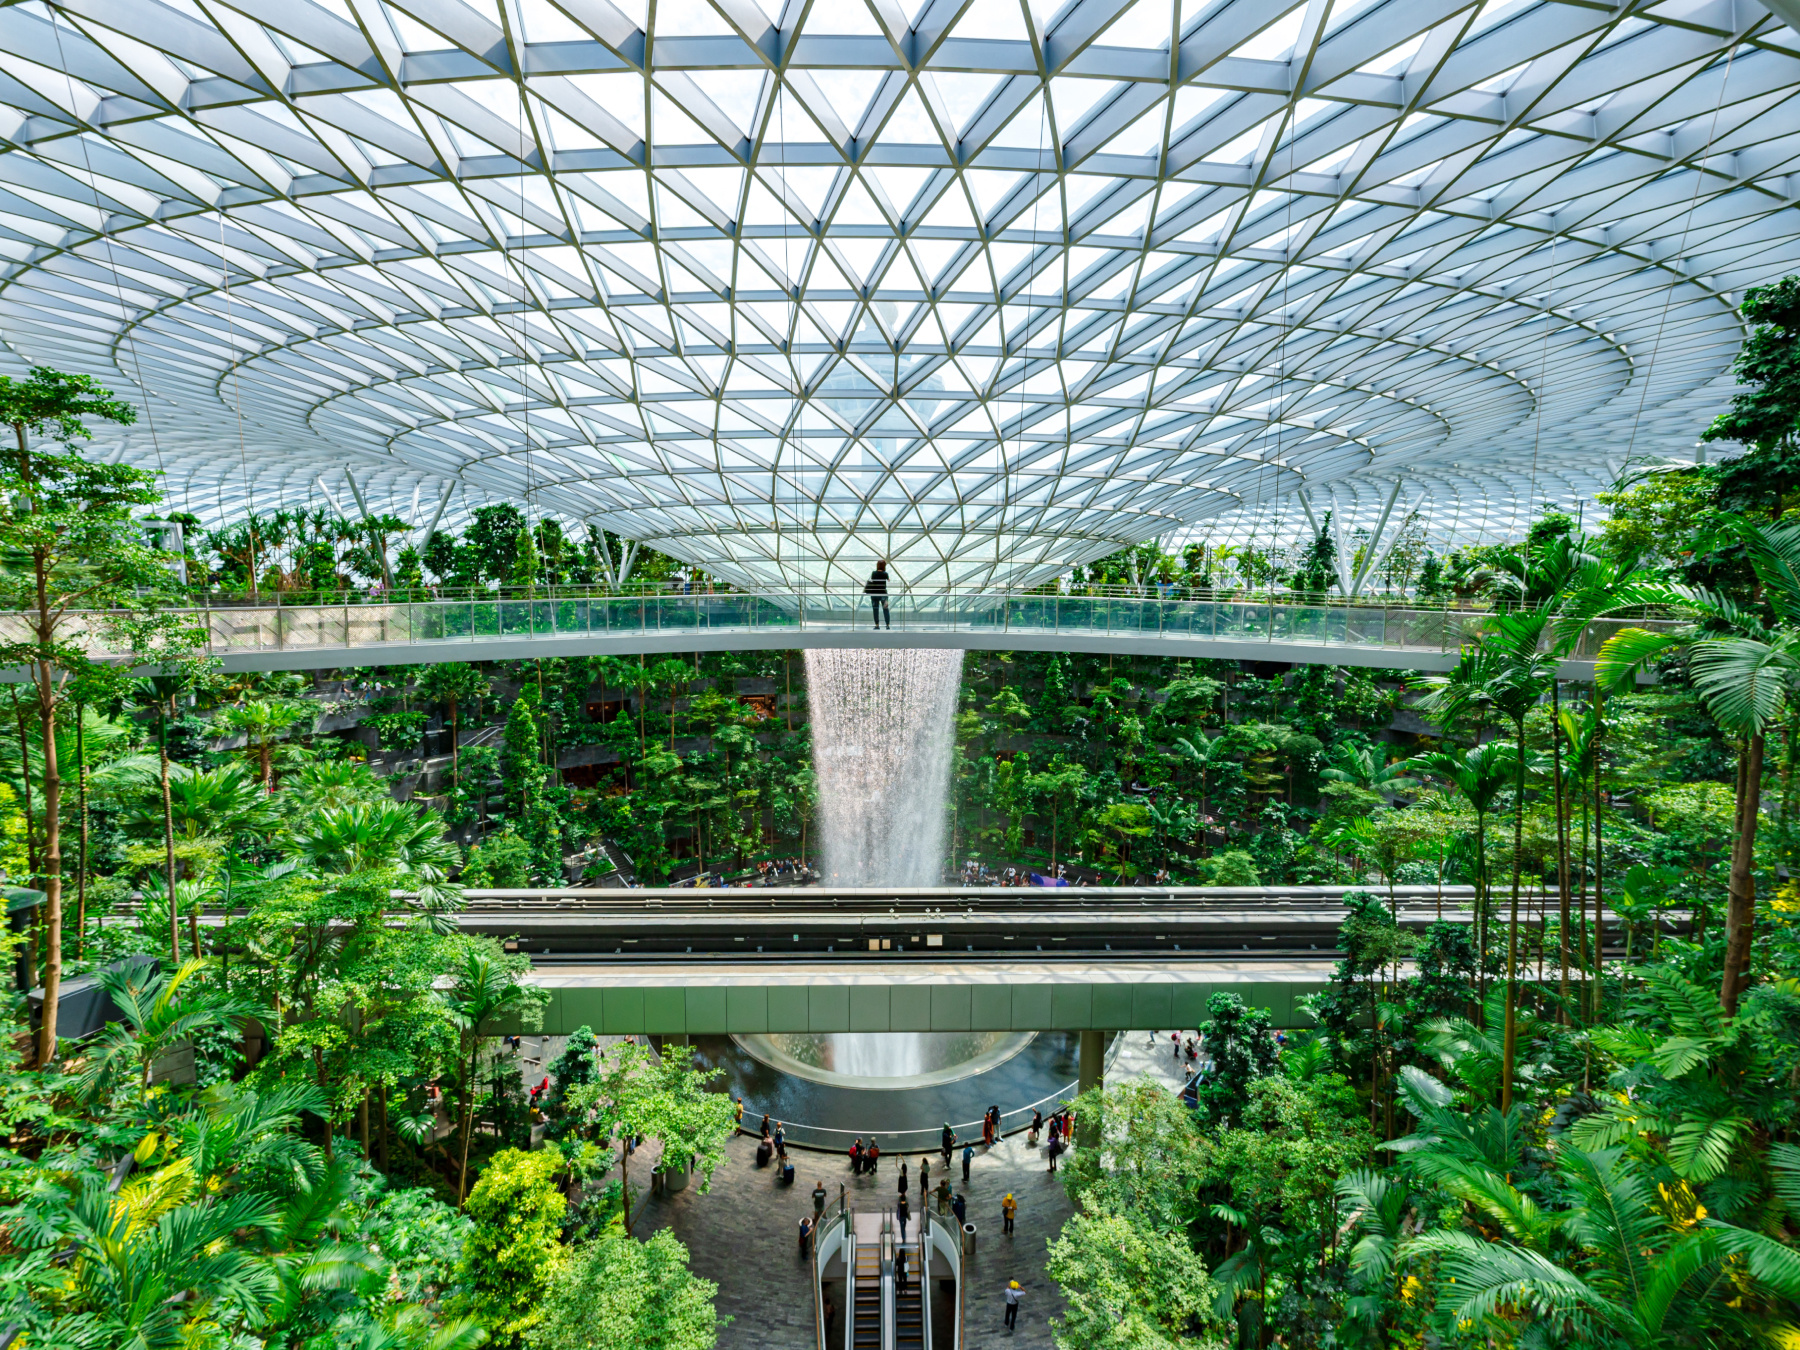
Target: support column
(1090, 1074)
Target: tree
(262, 722)
(639, 1094)
(1630, 1262)
(72, 547)
(1147, 1157)
(454, 683)
(515, 1250)
(1130, 1286)
(1242, 1045)
(617, 1294)
(1766, 417)
(487, 987)
(1745, 664)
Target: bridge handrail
(314, 599)
(236, 630)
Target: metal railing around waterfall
(243, 629)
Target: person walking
(903, 1178)
(968, 1157)
(806, 1227)
(872, 1157)
(1012, 1304)
(925, 1175)
(943, 1195)
(947, 1143)
(1055, 1150)
(876, 589)
(903, 1212)
(1009, 1210)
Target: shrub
(515, 1248)
(620, 1294)
(500, 862)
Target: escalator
(865, 1312)
(909, 1303)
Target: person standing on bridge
(876, 589)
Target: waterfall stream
(882, 728)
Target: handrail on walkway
(982, 616)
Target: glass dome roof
(987, 288)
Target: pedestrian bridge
(493, 628)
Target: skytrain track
(1129, 923)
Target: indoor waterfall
(882, 726)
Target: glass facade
(983, 288)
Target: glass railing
(239, 629)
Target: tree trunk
(52, 860)
(81, 782)
(455, 759)
(162, 751)
(462, 1168)
(31, 856)
(1740, 912)
(1509, 1044)
(1562, 847)
(1481, 919)
(1599, 861)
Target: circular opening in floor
(884, 1059)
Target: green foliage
(502, 861)
(514, 1251)
(1130, 1286)
(616, 1293)
(1243, 1049)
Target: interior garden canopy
(989, 288)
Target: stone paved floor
(742, 1234)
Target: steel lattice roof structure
(987, 287)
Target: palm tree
(1518, 675)
(1620, 1264)
(363, 836)
(454, 683)
(157, 1012)
(1479, 776)
(486, 988)
(1745, 664)
(1370, 768)
(262, 722)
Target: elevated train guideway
(678, 961)
(310, 637)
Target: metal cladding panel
(747, 1009)
(952, 1008)
(1150, 1004)
(622, 1012)
(788, 1008)
(1112, 1007)
(1032, 1008)
(665, 1010)
(1071, 1007)
(706, 1011)
(910, 1007)
(828, 1008)
(1187, 1007)
(869, 1007)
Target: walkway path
(308, 637)
(743, 1233)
